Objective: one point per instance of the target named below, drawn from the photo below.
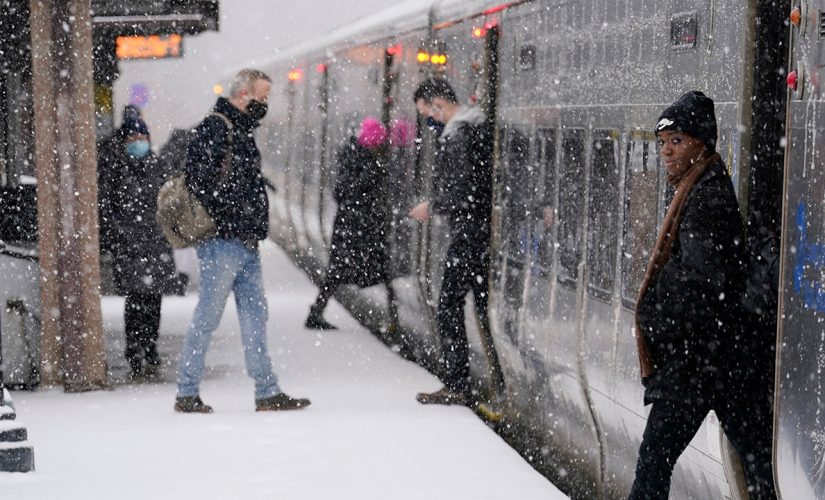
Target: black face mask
(434, 124)
(256, 109)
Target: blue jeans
(228, 265)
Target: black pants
(672, 424)
(325, 292)
(332, 282)
(142, 318)
(465, 269)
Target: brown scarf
(664, 243)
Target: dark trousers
(142, 318)
(325, 292)
(332, 282)
(465, 269)
(672, 424)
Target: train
(574, 88)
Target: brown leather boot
(191, 404)
(281, 402)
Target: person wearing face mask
(142, 259)
(236, 199)
(689, 334)
(462, 195)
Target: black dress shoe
(317, 322)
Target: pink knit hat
(372, 133)
(402, 133)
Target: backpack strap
(226, 165)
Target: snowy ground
(364, 437)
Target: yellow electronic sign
(149, 47)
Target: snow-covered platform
(364, 437)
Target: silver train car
(574, 88)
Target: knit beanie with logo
(693, 114)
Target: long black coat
(142, 258)
(691, 316)
(358, 252)
(239, 204)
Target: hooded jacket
(690, 317)
(239, 203)
(463, 174)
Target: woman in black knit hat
(688, 317)
(130, 177)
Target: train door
(799, 424)
(510, 263)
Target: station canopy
(155, 17)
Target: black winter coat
(358, 246)
(142, 258)
(239, 203)
(691, 316)
(463, 176)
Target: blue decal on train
(810, 265)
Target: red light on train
(321, 68)
(793, 80)
(394, 50)
(479, 32)
(796, 16)
(497, 8)
(295, 75)
(422, 56)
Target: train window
(683, 31)
(516, 195)
(527, 58)
(641, 209)
(544, 182)
(603, 217)
(571, 205)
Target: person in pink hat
(358, 254)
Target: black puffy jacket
(691, 316)
(463, 175)
(239, 204)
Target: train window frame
(569, 248)
(546, 149)
(649, 156)
(603, 200)
(509, 194)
